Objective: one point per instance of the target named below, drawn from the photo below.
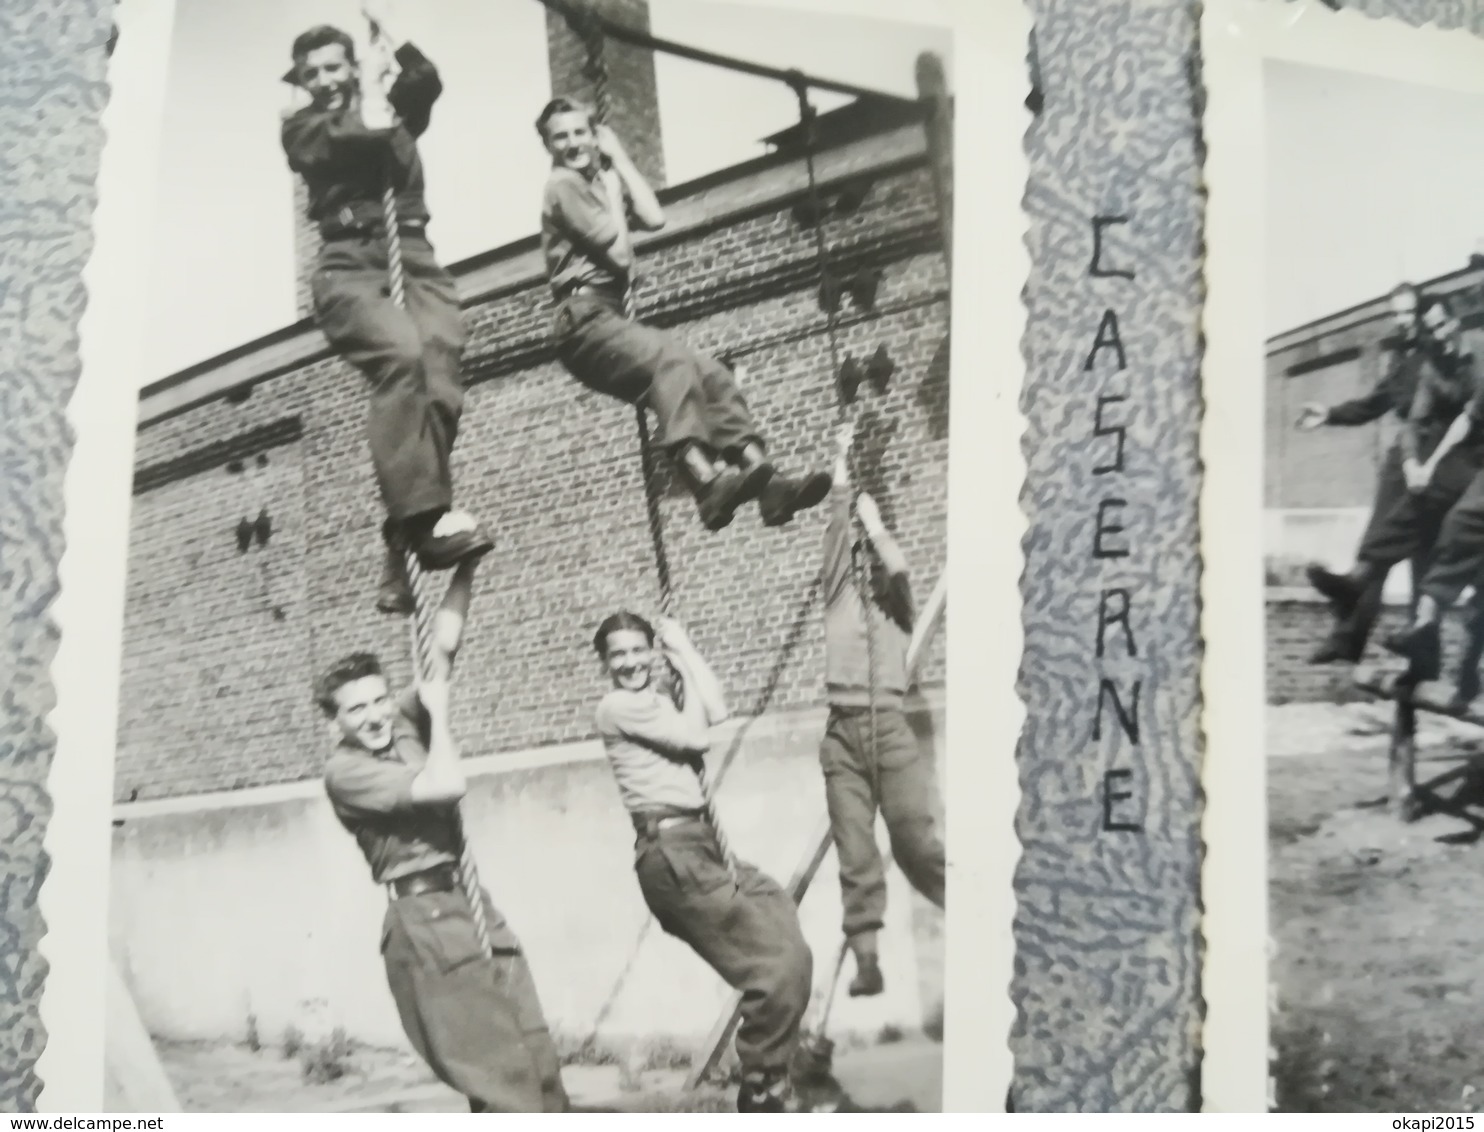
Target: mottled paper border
(53, 57)
(1238, 36)
(985, 472)
(1107, 929)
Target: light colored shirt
(371, 794)
(649, 747)
(847, 652)
(585, 224)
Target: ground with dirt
(238, 1078)
(1378, 963)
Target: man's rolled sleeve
(410, 706)
(650, 721)
(363, 784)
(574, 212)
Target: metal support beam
(578, 12)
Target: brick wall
(1335, 360)
(220, 646)
(1297, 623)
(634, 102)
(1329, 467)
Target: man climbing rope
(733, 916)
(395, 783)
(593, 195)
(872, 764)
(1393, 393)
(351, 144)
(1443, 423)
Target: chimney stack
(632, 94)
(306, 249)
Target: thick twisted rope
(425, 610)
(827, 284)
(764, 701)
(596, 70)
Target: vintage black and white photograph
(1372, 535)
(533, 684)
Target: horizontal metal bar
(574, 14)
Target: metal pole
(580, 12)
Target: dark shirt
(1448, 385)
(582, 237)
(347, 167)
(1393, 393)
(847, 650)
(371, 794)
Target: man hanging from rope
(350, 144)
(593, 195)
(395, 783)
(733, 916)
(872, 764)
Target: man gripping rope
(895, 774)
(593, 195)
(395, 783)
(731, 914)
(349, 144)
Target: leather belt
(648, 825)
(442, 878)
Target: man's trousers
(473, 1017)
(695, 397)
(898, 778)
(747, 930)
(409, 357)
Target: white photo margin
(1237, 38)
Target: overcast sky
(223, 270)
(1369, 182)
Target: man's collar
(590, 174)
(350, 746)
